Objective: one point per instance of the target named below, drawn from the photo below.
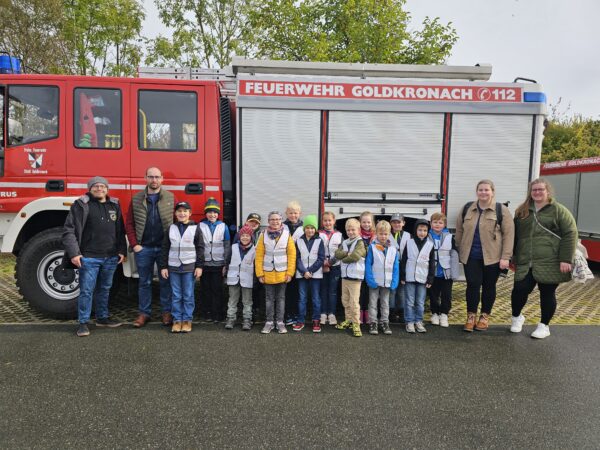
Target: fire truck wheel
(41, 279)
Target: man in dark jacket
(149, 217)
(94, 241)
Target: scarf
(367, 235)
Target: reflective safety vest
(214, 243)
(241, 270)
(297, 234)
(331, 243)
(417, 264)
(400, 246)
(443, 248)
(308, 258)
(383, 265)
(355, 271)
(276, 252)
(183, 250)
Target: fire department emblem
(35, 160)
(113, 215)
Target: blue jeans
(95, 281)
(182, 288)
(145, 260)
(415, 302)
(397, 298)
(314, 286)
(329, 288)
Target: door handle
(55, 186)
(193, 188)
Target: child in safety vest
(367, 233)
(240, 279)
(293, 223)
(352, 256)
(417, 270)
(446, 269)
(182, 259)
(310, 254)
(400, 238)
(332, 239)
(217, 251)
(275, 265)
(381, 276)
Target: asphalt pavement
(129, 388)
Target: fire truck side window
(168, 120)
(97, 118)
(32, 114)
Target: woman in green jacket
(545, 241)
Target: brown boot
(141, 320)
(167, 319)
(176, 328)
(186, 326)
(470, 322)
(483, 322)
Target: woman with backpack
(484, 239)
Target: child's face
(438, 225)
(328, 223)
(245, 239)
(212, 216)
(422, 231)
(309, 232)
(366, 223)
(397, 225)
(352, 231)
(292, 215)
(253, 224)
(382, 236)
(183, 215)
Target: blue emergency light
(534, 97)
(9, 64)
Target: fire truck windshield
(32, 114)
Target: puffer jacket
(538, 249)
(275, 277)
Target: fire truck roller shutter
(588, 216)
(278, 160)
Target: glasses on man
(99, 186)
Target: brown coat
(496, 242)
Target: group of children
(383, 270)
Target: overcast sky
(556, 42)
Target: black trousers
(291, 299)
(363, 300)
(440, 296)
(523, 288)
(481, 285)
(211, 294)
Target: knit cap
(212, 205)
(95, 180)
(311, 221)
(246, 230)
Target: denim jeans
(329, 290)
(145, 260)
(304, 285)
(95, 281)
(415, 302)
(182, 288)
(397, 298)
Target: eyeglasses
(538, 190)
(99, 186)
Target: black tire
(42, 281)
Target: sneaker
(290, 321)
(323, 319)
(435, 319)
(297, 326)
(470, 324)
(420, 327)
(344, 325)
(186, 326)
(267, 328)
(516, 323)
(107, 322)
(542, 331)
(176, 328)
(281, 329)
(483, 322)
(229, 324)
(316, 326)
(444, 320)
(373, 328)
(356, 330)
(83, 330)
(385, 327)
(410, 327)
(246, 325)
(331, 319)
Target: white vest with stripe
(331, 244)
(308, 258)
(417, 264)
(214, 245)
(443, 247)
(355, 271)
(297, 234)
(183, 250)
(383, 265)
(400, 246)
(276, 252)
(241, 270)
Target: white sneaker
(267, 328)
(542, 331)
(332, 320)
(410, 327)
(444, 320)
(516, 323)
(435, 319)
(420, 327)
(323, 319)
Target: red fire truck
(343, 137)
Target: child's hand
(428, 286)
(224, 270)
(307, 275)
(165, 273)
(261, 280)
(288, 278)
(403, 282)
(197, 273)
(326, 269)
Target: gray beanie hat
(95, 180)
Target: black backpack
(498, 212)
